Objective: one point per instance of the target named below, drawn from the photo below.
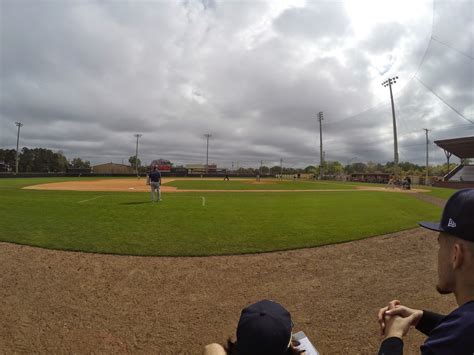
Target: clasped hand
(395, 320)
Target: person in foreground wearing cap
(264, 329)
(454, 333)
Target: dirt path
(63, 302)
(431, 199)
(139, 185)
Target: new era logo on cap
(458, 216)
(451, 223)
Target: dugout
(462, 175)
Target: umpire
(451, 334)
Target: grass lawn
(250, 184)
(440, 192)
(227, 223)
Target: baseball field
(203, 244)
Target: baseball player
(155, 182)
(447, 334)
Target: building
(201, 168)
(4, 167)
(378, 177)
(112, 168)
(163, 165)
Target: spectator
(451, 334)
(264, 329)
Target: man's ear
(457, 255)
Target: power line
(454, 49)
(382, 103)
(451, 107)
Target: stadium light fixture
(207, 135)
(19, 125)
(320, 119)
(137, 135)
(389, 82)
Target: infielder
(155, 182)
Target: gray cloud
(85, 76)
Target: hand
(394, 308)
(397, 326)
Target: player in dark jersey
(452, 334)
(155, 182)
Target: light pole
(320, 119)
(389, 82)
(137, 135)
(427, 142)
(207, 135)
(19, 125)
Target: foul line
(94, 198)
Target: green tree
(265, 170)
(42, 160)
(78, 163)
(131, 160)
(333, 168)
(311, 169)
(8, 156)
(275, 170)
(356, 168)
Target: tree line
(39, 160)
(45, 160)
(336, 168)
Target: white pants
(155, 186)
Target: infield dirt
(64, 302)
(139, 185)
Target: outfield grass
(440, 192)
(251, 184)
(228, 223)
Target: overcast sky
(84, 76)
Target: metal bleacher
(465, 174)
(462, 176)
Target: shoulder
(454, 333)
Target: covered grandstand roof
(460, 147)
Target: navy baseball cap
(264, 329)
(458, 216)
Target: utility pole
(207, 135)
(281, 168)
(261, 165)
(389, 82)
(427, 142)
(232, 166)
(320, 119)
(136, 153)
(19, 125)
